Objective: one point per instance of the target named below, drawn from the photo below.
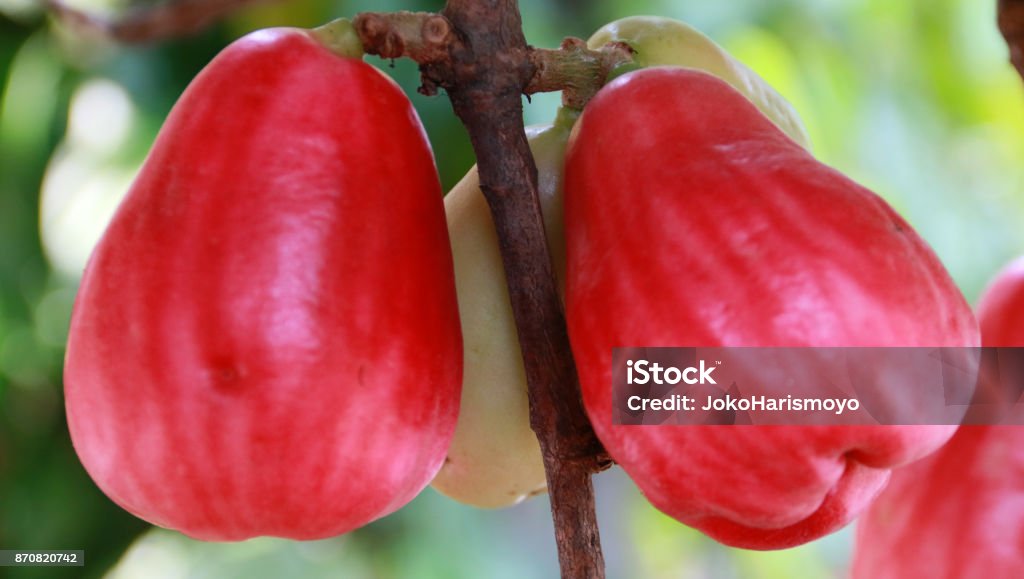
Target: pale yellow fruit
(494, 459)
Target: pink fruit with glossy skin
(958, 514)
(1001, 307)
(266, 339)
(691, 220)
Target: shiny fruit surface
(266, 339)
(959, 513)
(691, 220)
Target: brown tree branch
(479, 55)
(1011, 23)
(492, 69)
(173, 19)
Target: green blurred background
(913, 98)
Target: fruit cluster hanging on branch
(272, 336)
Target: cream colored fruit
(494, 459)
(665, 42)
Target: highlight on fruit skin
(495, 460)
(690, 219)
(959, 513)
(266, 338)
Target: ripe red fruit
(266, 339)
(691, 220)
(958, 514)
(1001, 308)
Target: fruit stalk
(573, 68)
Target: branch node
(378, 37)
(571, 43)
(436, 30)
(576, 70)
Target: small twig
(173, 19)
(427, 38)
(1011, 24)
(421, 36)
(573, 69)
